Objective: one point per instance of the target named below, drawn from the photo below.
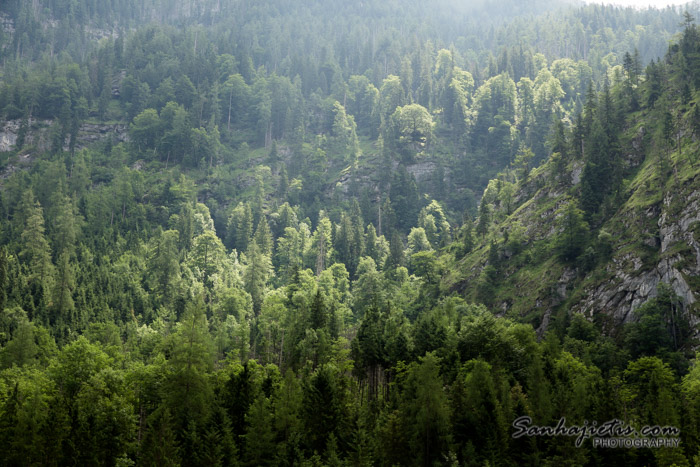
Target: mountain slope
(542, 259)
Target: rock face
(90, 133)
(37, 139)
(677, 263)
(8, 135)
(38, 134)
(653, 243)
(422, 170)
(576, 173)
(654, 234)
(6, 24)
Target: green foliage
(661, 330)
(410, 130)
(479, 418)
(484, 219)
(258, 270)
(425, 410)
(369, 288)
(21, 349)
(322, 408)
(145, 129)
(574, 234)
(159, 446)
(165, 299)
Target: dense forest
(346, 233)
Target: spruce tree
(263, 237)
(484, 219)
(35, 250)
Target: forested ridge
(346, 233)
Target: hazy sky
(642, 3)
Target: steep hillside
(542, 259)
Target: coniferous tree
(263, 237)
(258, 270)
(396, 249)
(484, 219)
(260, 434)
(321, 408)
(573, 236)
(479, 418)
(368, 349)
(283, 185)
(466, 237)
(188, 390)
(35, 250)
(371, 243)
(21, 349)
(426, 411)
(164, 266)
(343, 239)
(64, 306)
(160, 445)
(3, 279)
(239, 230)
(597, 177)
